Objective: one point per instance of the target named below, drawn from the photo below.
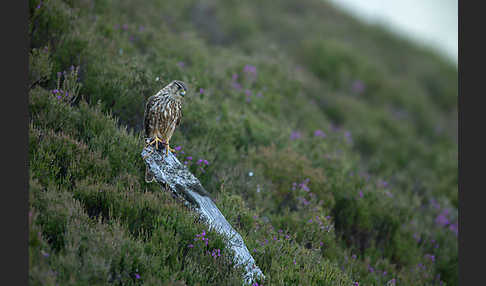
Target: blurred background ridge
(431, 23)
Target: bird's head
(178, 89)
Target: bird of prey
(163, 113)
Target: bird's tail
(149, 176)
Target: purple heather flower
(453, 228)
(360, 194)
(181, 64)
(358, 86)
(178, 148)
(295, 135)
(125, 26)
(45, 254)
(416, 236)
(254, 284)
(321, 243)
(347, 135)
(304, 187)
(141, 28)
(190, 245)
(55, 91)
(383, 183)
(371, 269)
(250, 70)
(356, 283)
(201, 90)
(259, 94)
(309, 221)
(189, 158)
(58, 97)
(137, 275)
(294, 186)
(353, 256)
(441, 219)
(216, 253)
(430, 256)
(206, 162)
(319, 133)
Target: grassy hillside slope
(331, 146)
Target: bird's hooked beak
(181, 85)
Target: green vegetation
(331, 146)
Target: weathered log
(175, 176)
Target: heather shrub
(328, 144)
(40, 66)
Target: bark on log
(184, 185)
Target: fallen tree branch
(184, 185)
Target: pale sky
(428, 22)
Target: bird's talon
(168, 149)
(156, 140)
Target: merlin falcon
(163, 113)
